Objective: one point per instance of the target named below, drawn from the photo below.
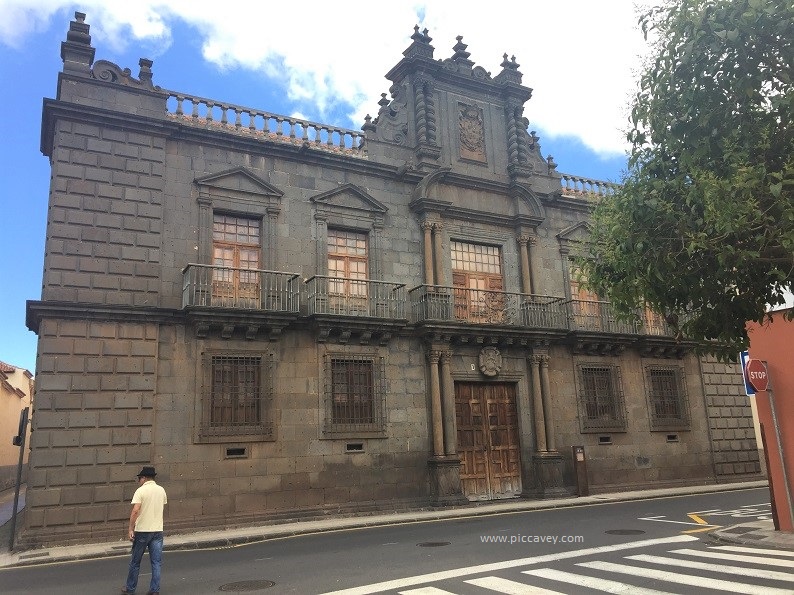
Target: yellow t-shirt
(152, 499)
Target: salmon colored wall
(774, 343)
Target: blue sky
(312, 60)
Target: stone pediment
(236, 182)
(577, 233)
(349, 197)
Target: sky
(319, 60)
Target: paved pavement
(757, 533)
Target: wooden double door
(488, 440)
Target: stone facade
(452, 361)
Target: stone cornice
(36, 311)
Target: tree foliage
(702, 228)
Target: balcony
(340, 296)
(343, 306)
(235, 300)
(436, 303)
(596, 316)
(244, 289)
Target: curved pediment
(530, 205)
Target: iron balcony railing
(342, 296)
(246, 289)
(599, 316)
(480, 306)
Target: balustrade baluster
(195, 113)
(179, 100)
(210, 105)
(251, 120)
(224, 119)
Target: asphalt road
(525, 546)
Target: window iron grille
(355, 394)
(667, 401)
(237, 396)
(601, 398)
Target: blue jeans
(153, 541)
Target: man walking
(146, 529)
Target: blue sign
(744, 356)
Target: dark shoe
(125, 592)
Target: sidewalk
(759, 533)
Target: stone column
(271, 225)
(438, 253)
(537, 404)
(448, 406)
(204, 255)
(547, 464)
(548, 414)
(523, 258)
(427, 227)
(435, 404)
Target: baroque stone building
(291, 318)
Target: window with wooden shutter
(478, 282)
(236, 257)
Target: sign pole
(19, 440)
(783, 465)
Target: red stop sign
(757, 375)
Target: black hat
(147, 472)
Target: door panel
(488, 443)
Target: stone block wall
(730, 418)
(105, 217)
(92, 428)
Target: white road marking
(410, 581)
(508, 587)
(592, 582)
(685, 579)
(661, 519)
(773, 575)
(426, 591)
(737, 558)
(753, 550)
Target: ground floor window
(354, 394)
(601, 398)
(236, 396)
(667, 400)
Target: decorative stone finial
(76, 52)
(460, 50)
(510, 72)
(421, 44)
(550, 162)
(145, 73)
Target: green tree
(702, 228)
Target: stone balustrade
(212, 114)
(585, 187)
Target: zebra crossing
(729, 569)
(661, 566)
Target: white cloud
(577, 55)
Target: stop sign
(757, 375)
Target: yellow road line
(702, 529)
(697, 519)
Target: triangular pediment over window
(349, 197)
(576, 234)
(237, 182)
